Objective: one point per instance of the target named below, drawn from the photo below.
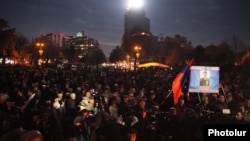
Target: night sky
(203, 22)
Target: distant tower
(80, 34)
(137, 31)
(135, 17)
(161, 38)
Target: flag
(178, 82)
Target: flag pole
(223, 91)
(199, 97)
(167, 97)
(224, 95)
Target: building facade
(137, 33)
(56, 39)
(82, 44)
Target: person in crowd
(144, 126)
(124, 103)
(103, 132)
(71, 102)
(99, 119)
(15, 132)
(142, 105)
(33, 135)
(152, 98)
(81, 126)
(3, 97)
(10, 109)
(220, 104)
(239, 118)
(106, 94)
(69, 133)
(19, 98)
(132, 135)
(113, 109)
(204, 104)
(141, 94)
(247, 107)
(173, 125)
(248, 117)
(181, 108)
(79, 94)
(43, 106)
(128, 118)
(213, 98)
(131, 95)
(87, 102)
(58, 107)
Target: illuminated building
(135, 17)
(137, 31)
(82, 44)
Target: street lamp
(40, 51)
(137, 55)
(128, 61)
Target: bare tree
(7, 41)
(236, 44)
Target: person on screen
(204, 81)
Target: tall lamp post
(40, 51)
(128, 62)
(137, 55)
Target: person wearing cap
(80, 125)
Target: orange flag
(177, 83)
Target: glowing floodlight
(135, 4)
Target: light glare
(135, 4)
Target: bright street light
(135, 4)
(40, 46)
(40, 51)
(137, 55)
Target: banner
(204, 79)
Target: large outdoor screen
(204, 79)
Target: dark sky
(203, 22)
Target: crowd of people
(54, 104)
